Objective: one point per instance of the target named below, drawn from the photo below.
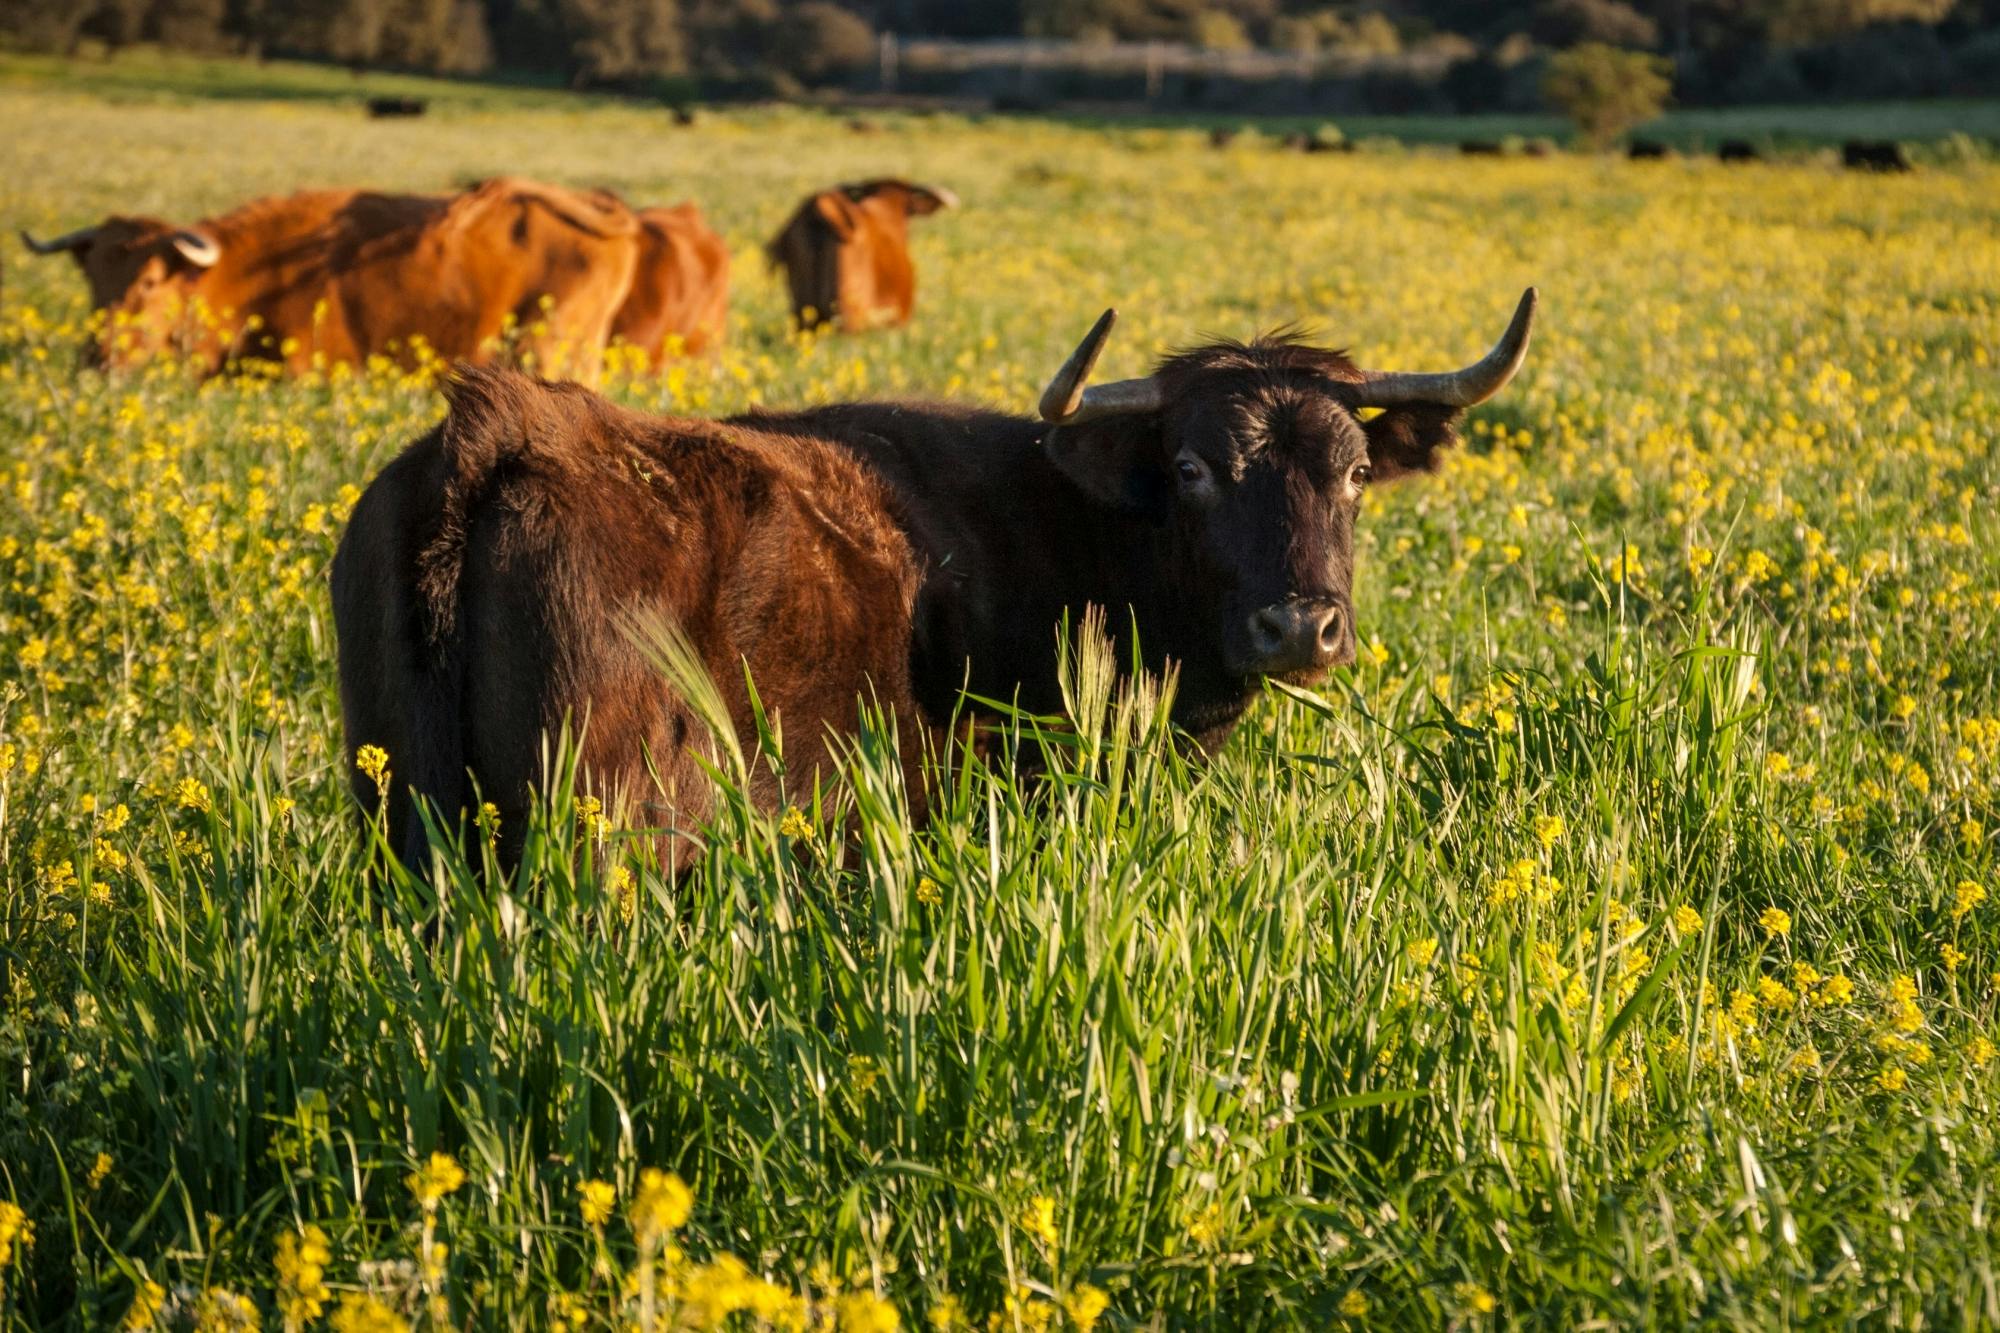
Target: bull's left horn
(197, 249)
(1066, 401)
(82, 236)
(1456, 388)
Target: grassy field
(1617, 944)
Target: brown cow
(846, 253)
(680, 286)
(903, 550)
(339, 276)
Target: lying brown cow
(680, 286)
(898, 550)
(846, 253)
(339, 276)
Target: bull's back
(509, 553)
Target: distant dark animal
(679, 288)
(1538, 148)
(339, 276)
(1479, 148)
(1738, 150)
(899, 552)
(1646, 150)
(861, 125)
(1319, 145)
(1029, 104)
(684, 116)
(1875, 155)
(1222, 136)
(846, 253)
(397, 108)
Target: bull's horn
(197, 249)
(82, 236)
(1066, 401)
(1456, 388)
(946, 199)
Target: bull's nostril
(1267, 631)
(1332, 629)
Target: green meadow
(1616, 945)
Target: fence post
(1155, 71)
(887, 49)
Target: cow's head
(1255, 457)
(844, 209)
(141, 272)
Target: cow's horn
(1066, 401)
(1456, 388)
(69, 241)
(197, 249)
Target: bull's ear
(1114, 461)
(837, 211)
(1407, 439)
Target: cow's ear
(1115, 461)
(1403, 440)
(923, 200)
(837, 211)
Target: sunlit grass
(1615, 942)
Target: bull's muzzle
(1301, 634)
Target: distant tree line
(1721, 49)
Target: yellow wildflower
(596, 1198)
(1967, 896)
(365, 1314)
(147, 1302)
(1038, 1219)
(1775, 921)
(301, 1267)
(1085, 1305)
(662, 1205)
(192, 794)
(373, 761)
(1474, 1299)
(436, 1178)
(17, 1233)
(865, 1312)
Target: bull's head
(141, 274)
(1256, 455)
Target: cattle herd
(509, 269)
(495, 580)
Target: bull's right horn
(197, 249)
(74, 240)
(1066, 401)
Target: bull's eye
(1190, 470)
(1361, 476)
